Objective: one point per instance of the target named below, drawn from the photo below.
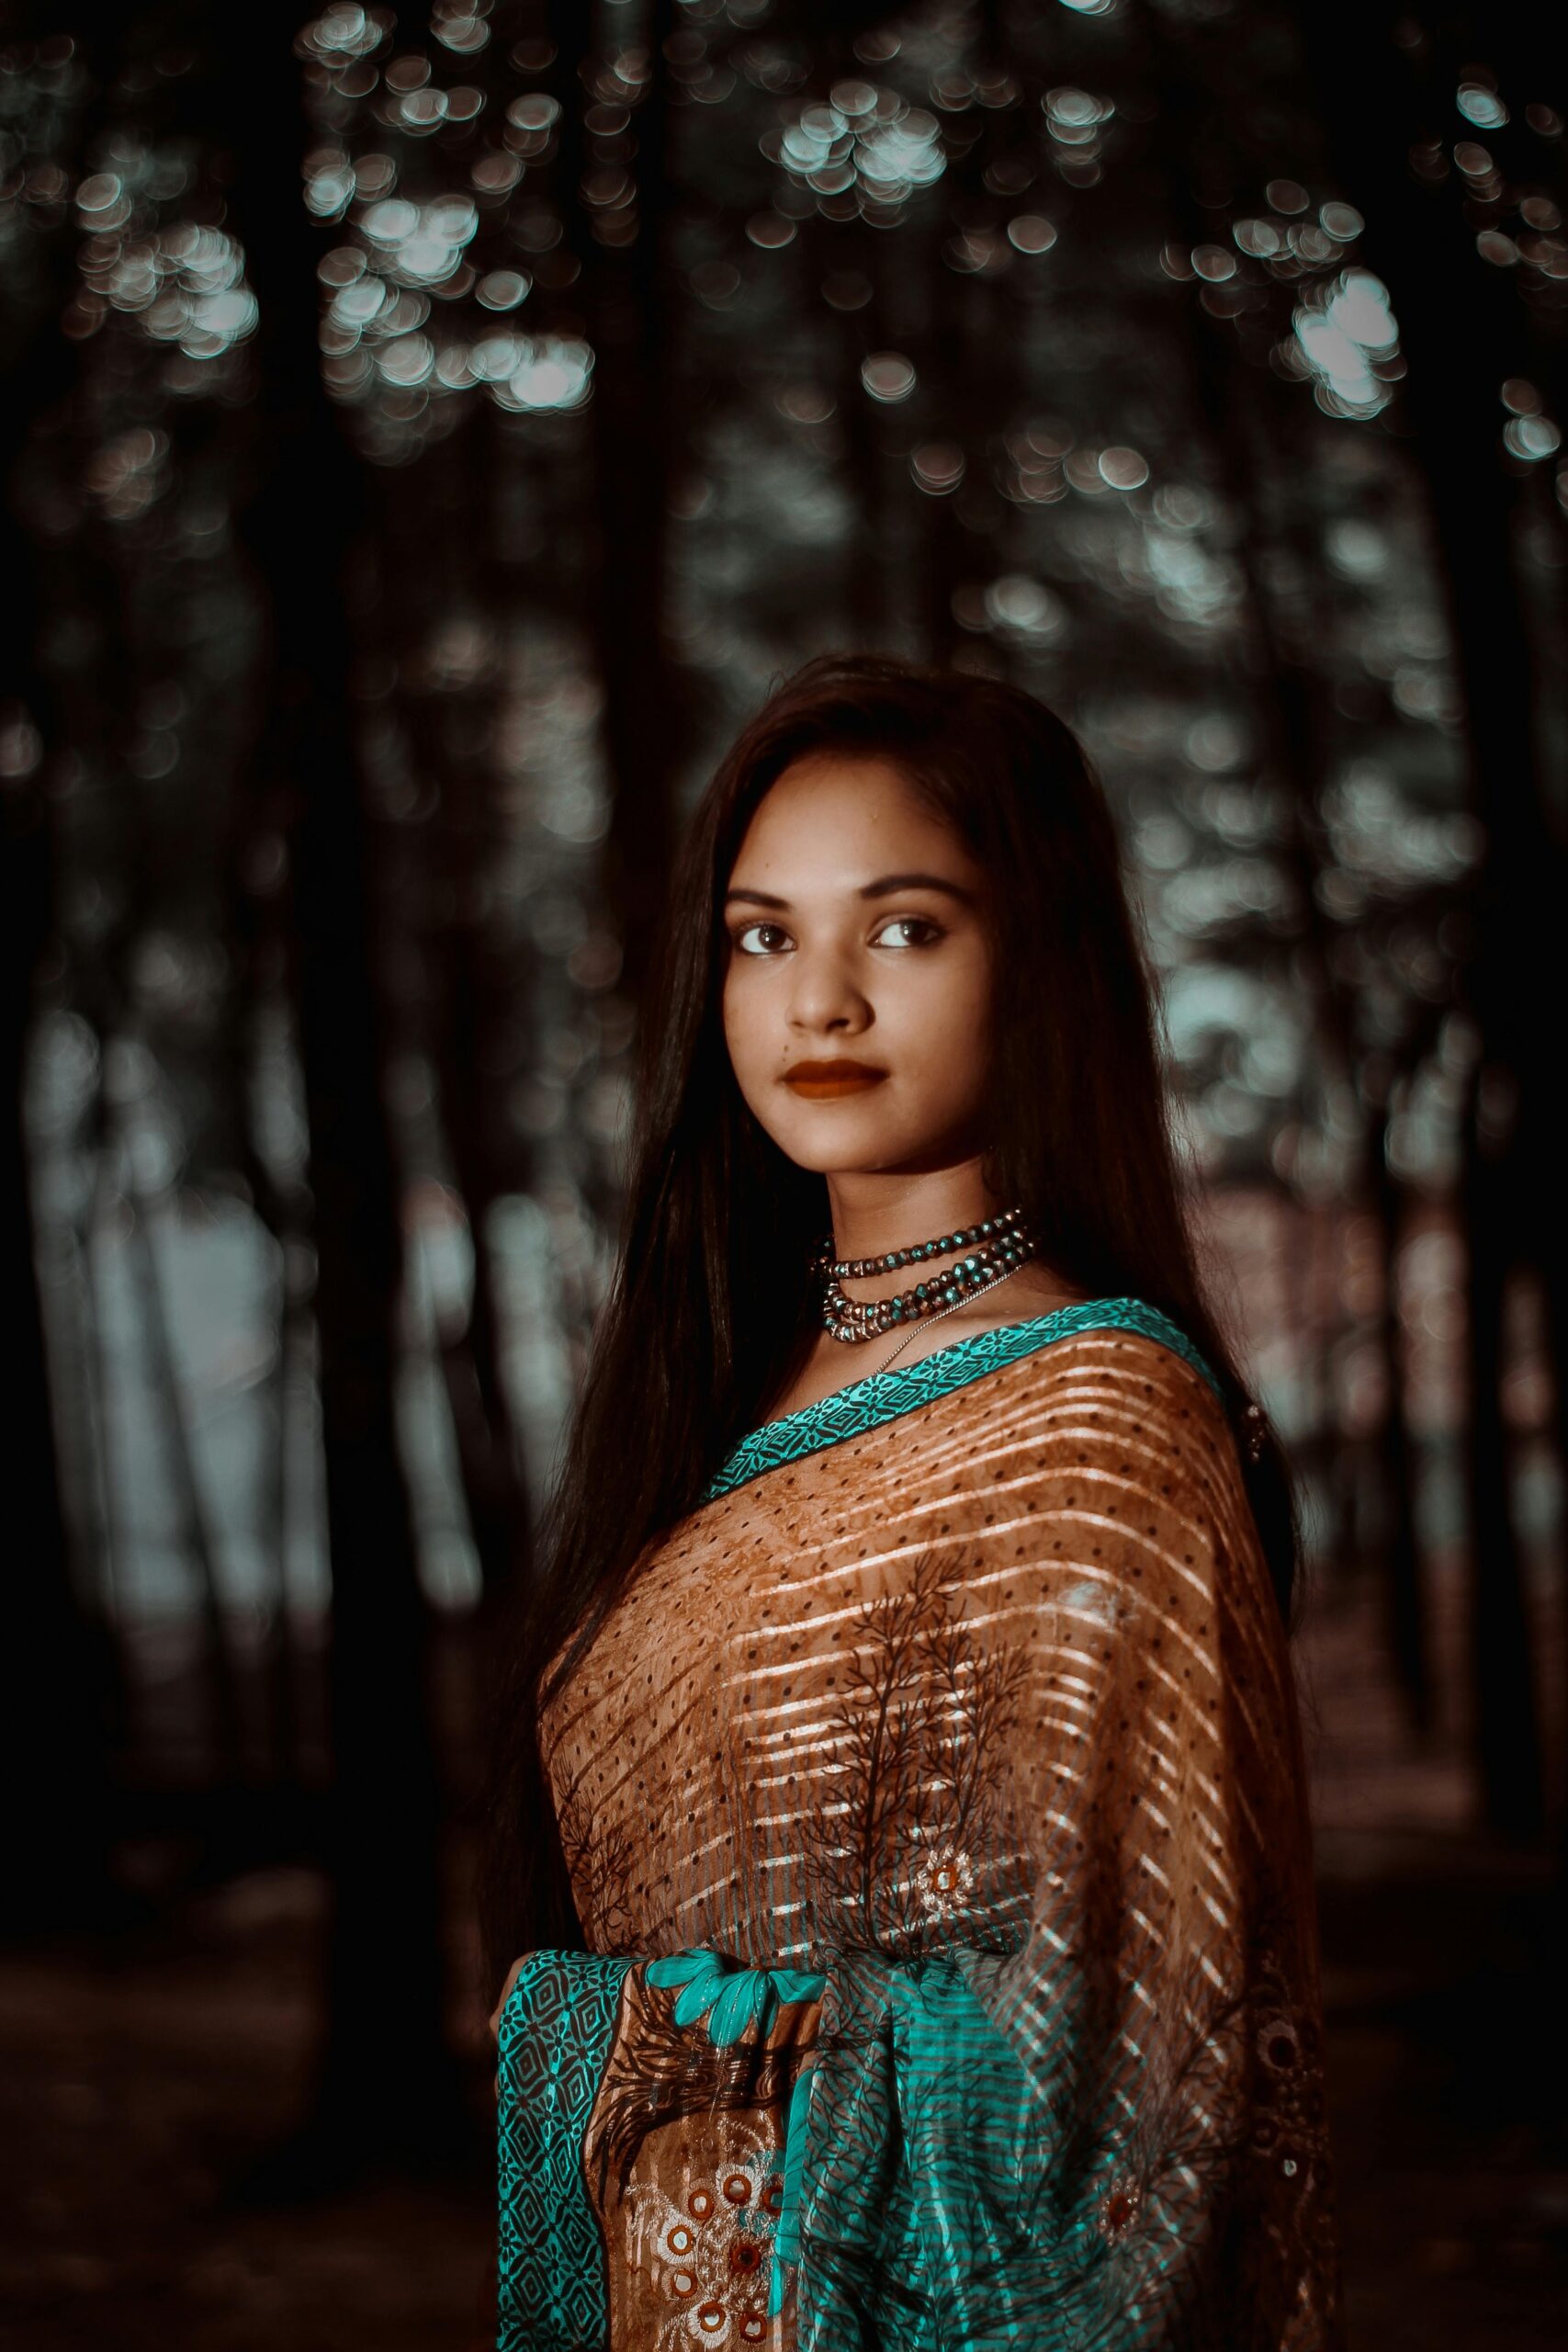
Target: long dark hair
(710, 1310)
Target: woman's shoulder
(1124, 1417)
(1120, 1391)
(1119, 1350)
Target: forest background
(427, 436)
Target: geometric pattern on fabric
(556, 2032)
(885, 1396)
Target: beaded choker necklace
(996, 1246)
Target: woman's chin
(861, 1148)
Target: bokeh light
(1348, 342)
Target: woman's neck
(876, 1213)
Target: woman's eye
(760, 938)
(907, 923)
(899, 931)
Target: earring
(1255, 1432)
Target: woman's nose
(826, 994)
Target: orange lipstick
(829, 1081)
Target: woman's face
(857, 990)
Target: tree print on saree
(983, 1713)
(598, 1858)
(907, 1850)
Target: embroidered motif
(884, 1396)
(943, 1882)
(1119, 2209)
(1289, 2124)
(677, 2142)
(734, 2002)
(708, 2256)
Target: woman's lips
(825, 1082)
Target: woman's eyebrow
(883, 887)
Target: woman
(906, 1835)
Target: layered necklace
(995, 1248)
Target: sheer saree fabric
(934, 1805)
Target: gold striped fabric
(992, 1696)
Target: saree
(934, 1805)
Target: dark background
(427, 436)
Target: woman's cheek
(939, 1006)
(750, 1051)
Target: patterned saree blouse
(934, 1806)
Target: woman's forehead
(832, 811)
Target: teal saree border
(885, 1396)
(555, 2031)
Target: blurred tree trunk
(193, 1529)
(387, 2089)
(1361, 62)
(56, 1679)
(1256, 467)
(629, 306)
(1409, 1635)
(60, 1683)
(276, 1197)
(452, 730)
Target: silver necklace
(1001, 1243)
(980, 1292)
